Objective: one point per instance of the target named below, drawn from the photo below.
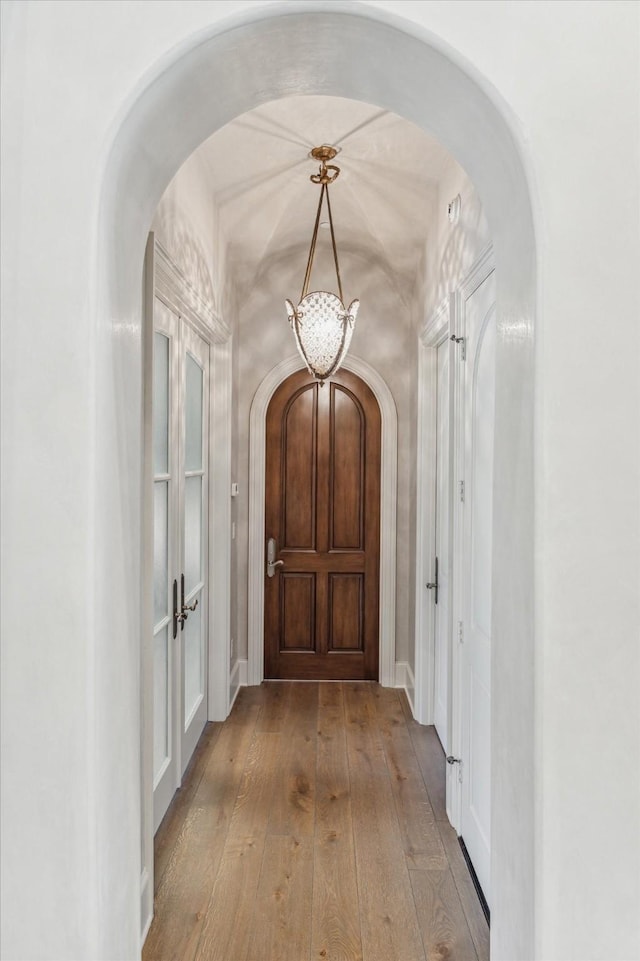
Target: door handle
(185, 608)
(272, 563)
(184, 613)
(176, 615)
(434, 585)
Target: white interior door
(180, 548)
(166, 391)
(442, 547)
(476, 507)
(194, 540)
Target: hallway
(312, 825)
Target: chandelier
(321, 324)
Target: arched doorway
(257, 481)
(322, 510)
(248, 63)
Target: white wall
(453, 248)
(184, 223)
(566, 77)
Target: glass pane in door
(160, 404)
(160, 551)
(192, 532)
(193, 414)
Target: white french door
(180, 548)
(477, 322)
(193, 522)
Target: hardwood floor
(311, 825)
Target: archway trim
(396, 63)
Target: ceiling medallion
(321, 324)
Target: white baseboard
(406, 680)
(238, 679)
(146, 902)
(243, 672)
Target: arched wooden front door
(322, 513)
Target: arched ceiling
(259, 168)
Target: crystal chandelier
(321, 324)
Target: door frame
(434, 331)
(388, 506)
(164, 278)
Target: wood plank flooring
(311, 827)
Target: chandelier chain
(312, 249)
(333, 244)
(324, 179)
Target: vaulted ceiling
(259, 167)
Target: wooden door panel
(346, 471)
(323, 510)
(346, 612)
(298, 612)
(323, 561)
(298, 491)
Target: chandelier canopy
(321, 324)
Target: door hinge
(460, 341)
(461, 488)
(460, 633)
